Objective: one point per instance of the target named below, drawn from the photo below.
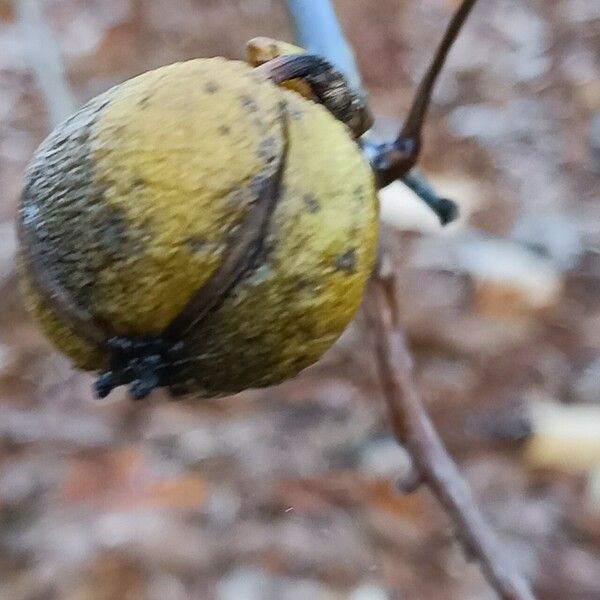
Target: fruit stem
(395, 160)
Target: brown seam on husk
(244, 248)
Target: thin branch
(318, 30)
(395, 160)
(416, 116)
(45, 60)
(413, 429)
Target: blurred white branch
(45, 60)
(317, 29)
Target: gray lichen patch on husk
(71, 233)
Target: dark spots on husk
(248, 104)
(267, 149)
(138, 182)
(143, 103)
(303, 285)
(224, 130)
(311, 203)
(196, 244)
(346, 262)
(211, 87)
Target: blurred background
(288, 493)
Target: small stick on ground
(413, 428)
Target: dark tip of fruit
(141, 388)
(137, 362)
(105, 384)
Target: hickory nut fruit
(197, 227)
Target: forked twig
(396, 159)
(413, 428)
(416, 117)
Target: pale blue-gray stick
(317, 29)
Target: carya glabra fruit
(200, 227)
(209, 226)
